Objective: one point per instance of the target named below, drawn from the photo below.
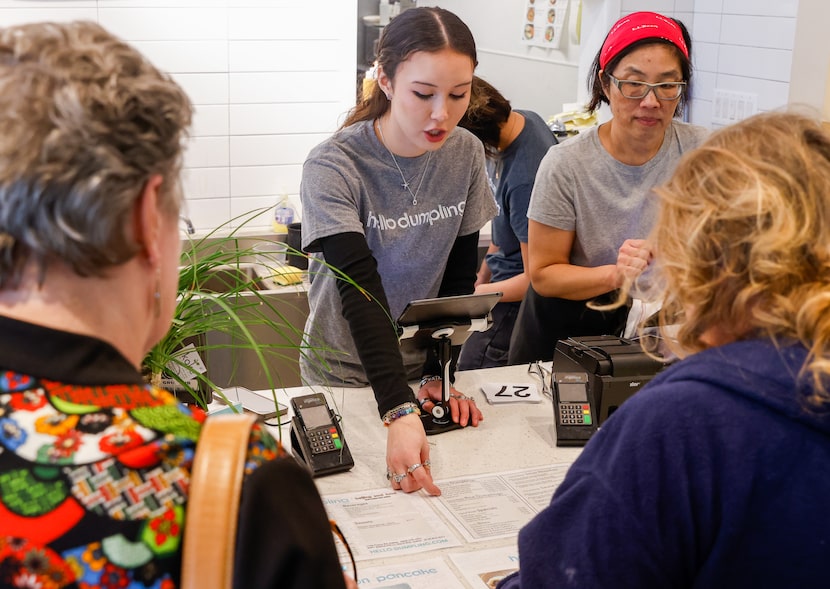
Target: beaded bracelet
(427, 379)
(399, 411)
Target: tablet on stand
(442, 323)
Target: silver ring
(398, 477)
(413, 468)
(462, 398)
(427, 464)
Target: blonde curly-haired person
(715, 474)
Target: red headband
(636, 27)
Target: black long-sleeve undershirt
(370, 322)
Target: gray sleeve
(552, 198)
(328, 193)
(481, 204)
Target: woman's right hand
(407, 456)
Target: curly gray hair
(85, 121)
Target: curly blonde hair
(742, 239)
(85, 121)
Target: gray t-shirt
(350, 184)
(580, 187)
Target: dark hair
(595, 85)
(429, 29)
(488, 111)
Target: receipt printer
(616, 368)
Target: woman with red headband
(591, 206)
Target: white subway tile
(687, 18)
(701, 112)
(280, 86)
(206, 182)
(282, 55)
(210, 120)
(17, 16)
(254, 212)
(186, 56)
(662, 6)
(703, 86)
(159, 24)
(706, 28)
(771, 94)
(754, 62)
(770, 32)
(47, 4)
(705, 57)
(684, 6)
(274, 119)
(709, 6)
(206, 152)
(166, 3)
(299, 21)
(208, 214)
(204, 88)
(763, 8)
(263, 150)
(265, 180)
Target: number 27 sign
(511, 393)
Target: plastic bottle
(283, 215)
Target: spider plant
(223, 300)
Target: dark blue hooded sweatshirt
(715, 475)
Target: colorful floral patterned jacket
(94, 473)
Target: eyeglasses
(543, 374)
(638, 90)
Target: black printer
(616, 368)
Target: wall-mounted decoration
(543, 22)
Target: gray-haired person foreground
(94, 462)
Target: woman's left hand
(463, 409)
(633, 258)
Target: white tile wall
(771, 32)
(13, 13)
(269, 79)
(786, 8)
(711, 6)
(755, 62)
(737, 45)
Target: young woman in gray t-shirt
(395, 200)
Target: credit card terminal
(574, 408)
(316, 437)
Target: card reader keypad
(324, 439)
(575, 414)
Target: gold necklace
(405, 183)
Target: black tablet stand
(441, 323)
(439, 420)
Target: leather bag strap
(213, 502)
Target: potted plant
(223, 279)
(225, 304)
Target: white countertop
(512, 436)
